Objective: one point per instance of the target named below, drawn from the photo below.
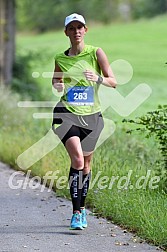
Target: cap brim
(74, 21)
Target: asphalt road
(31, 220)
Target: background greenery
(41, 17)
(143, 44)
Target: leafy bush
(149, 8)
(155, 122)
(23, 82)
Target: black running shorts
(88, 128)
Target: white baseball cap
(74, 17)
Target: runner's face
(75, 31)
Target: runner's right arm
(57, 80)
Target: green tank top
(80, 95)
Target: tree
(149, 8)
(7, 40)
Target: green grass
(140, 210)
(142, 44)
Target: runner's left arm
(108, 78)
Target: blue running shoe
(76, 221)
(84, 221)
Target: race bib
(80, 95)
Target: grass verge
(122, 174)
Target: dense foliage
(155, 123)
(39, 16)
(149, 8)
(23, 82)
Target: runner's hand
(58, 84)
(90, 75)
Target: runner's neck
(76, 49)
